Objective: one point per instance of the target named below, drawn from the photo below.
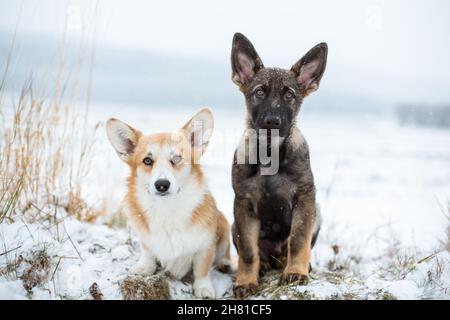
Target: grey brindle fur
(276, 218)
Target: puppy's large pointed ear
(123, 138)
(245, 61)
(198, 131)
(309, 69)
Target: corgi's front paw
(203, 288)
(144, 266)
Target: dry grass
(46, 149)
(33, 268)
(446, 239)
(10, 268)
(43, 161)
(95, 292)
(153, 287)
(37, 272)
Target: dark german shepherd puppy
(276, 218)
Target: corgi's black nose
(272, 122)
(162, 185)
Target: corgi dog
(168, 203)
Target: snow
(379, 185)
(11, 290)
(94, 253)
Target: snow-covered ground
(383, 191)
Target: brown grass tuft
(38, 271)
(94, 291)
(153, 287)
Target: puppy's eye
(260, 93)
(147, 161)
(176, 160)
(289, 95)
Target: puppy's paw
(144, 267)
(243, 291)
(203, 288)
(294, 278)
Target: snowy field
(383, 190)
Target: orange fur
(299, 263)
(206, 213)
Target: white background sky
(397, 50)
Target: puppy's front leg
(247, 235)
(147, 262)
(299, 242)
(203, 260)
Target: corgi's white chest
(172, 241)
(172, 234)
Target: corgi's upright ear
(123, 138)
(198, 131)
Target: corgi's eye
(176, 160)
(147, 161)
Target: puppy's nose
(162, 185)
(272, 122)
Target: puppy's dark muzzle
(271, 122)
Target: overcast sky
(394, 50)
